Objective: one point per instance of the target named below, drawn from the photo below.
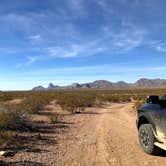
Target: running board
(160, 145)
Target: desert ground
(103, 136)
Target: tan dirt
(99, 137)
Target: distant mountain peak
(104, 84)
(38, 88)
(51, 85)
(74, 86)
(145, 82)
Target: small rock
(7, 153)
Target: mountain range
(104, 84)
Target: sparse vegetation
(55, 118)
(75, 102)
(5, 136)
(138, 104)
(10, 118)
(13, 117)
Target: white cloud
(9, 50)
(74, 44)
(35, 37)
(104, 69)
(158, 45)
(61, 52)
(161, 48)
(32, 59)
(77, 6)
(75, 50)
(107, 41)
(68, 75)
(29, 61)
(103, 4)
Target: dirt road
(98, 137)
(107, 137)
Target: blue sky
(66, 41)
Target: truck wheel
(147, 139)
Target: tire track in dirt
(102, 151)
(98, 137)
(122, 138)
(110, 138)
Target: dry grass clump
(13, 117)
(55, 118)
(6, 136)
(115, 98)
(138, 104)
(75, 102)
(10, 118)
(35, 103)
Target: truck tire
(147, 139)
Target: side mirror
(153, 100)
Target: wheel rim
(145, 140)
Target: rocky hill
(38, 88)
(104, 84)
(144, 82)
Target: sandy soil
(99, 137)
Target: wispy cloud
(75, 50)
(35, 37)
(78, 6)
(9, 50)
(127, 38)
(67, 40)
(32, 59)
(29, 61)
(105, 69)
(68, 75)
(71, 51)
(158, 45)
(104, 5)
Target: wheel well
(142, 120)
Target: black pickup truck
(151, 125)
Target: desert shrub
(69, 103)
(98, 102)
(138, 104)
(140, 97)
(11, 118)
(32, 105)
(115, 98)
(35, 103)
(6, 136)
(5, 97)
(75, 102)
(55, 118)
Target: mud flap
(158, 135)
(160, 145)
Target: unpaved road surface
(99, 137)
(107, 138)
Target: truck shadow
(161, 154)
(29, 163)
